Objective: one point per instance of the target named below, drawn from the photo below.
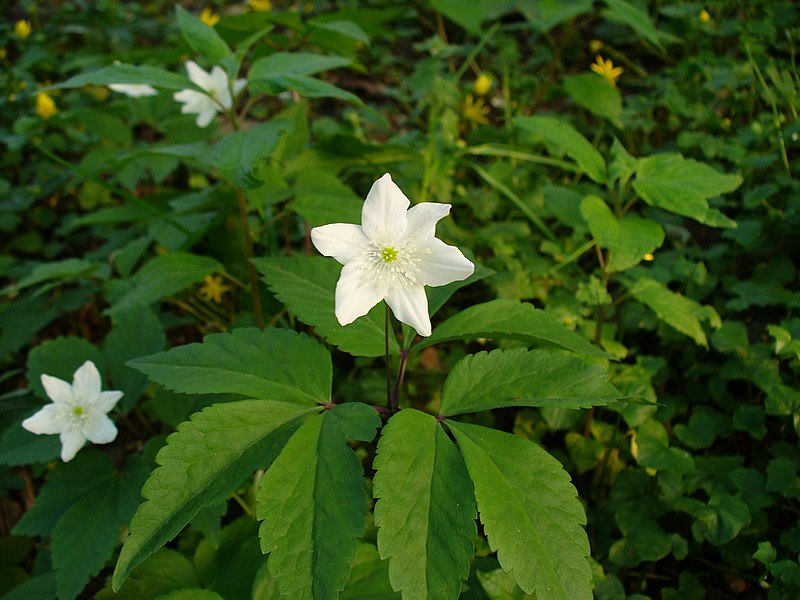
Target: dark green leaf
(130, 74)
(239, 155)
(202, 38)
(652, 450)
(595, 94)
(281, 64)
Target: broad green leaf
(595, 94)
(471, 14)
(202, 463)
(650, 448)
(633, 16)
(274, 364)
(322, 198)
(369, 577)
(680, 312)
(564, 136)
(163, 276)
(426, 508)
(202, 38)
(307, 86)
(721, 520)
(628, 239)
(530, 512)
(509, 319)
(60, 357)
(520, 377)
(131, 74)
(165, 571)
(306, 286)
(41, 587)
(683, 186)
(239, 155)
(192, 594)
(231, 565)
(62, 271)
(280, 64)
(546, 14)
(312, 502)
(438, 296)
(19, 446)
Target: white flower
(391, 256)
(78, 411)
(217, 95)
(134, 90)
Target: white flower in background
(391, 256)
(134, 90)
(78, 411)
(217, 94)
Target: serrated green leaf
(310, 87)
(322, 198)
(59, 357)
(594, 93)
(519, 377)
(683, 186)
(294, 63)
(312, 502)
(202, 38)
(239, 155)
(306, 285)
(201, 464)
(628, 239)
(680, 312)
(163, 276)
(530, 512)
(569, 141)
(426, 508)
(165, 571)
(274, 364)
(369, 577)
(509, 319)
(19, 446)
(652, 450)
(230, 566)
(130, 74)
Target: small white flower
(391, 256)
(134, 90)
(78, 411)
(217, 95)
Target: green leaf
(192, 594)
(274, 364)
(202, 38)
(628, 239)
(471, 14)
(322, 198)
(131, 74)
(310, 87)
(439, 295)
(312, 502)
(530, 512)
(59, 357)
(63, 271)
(239, 155)
(509, 319)
(202, 463)
(625, 13)
(596, 95)
(546, 14)
(306, 285)
(683, 186)
(280, 64)
(369, 577)
(426, 508)
(163, 276)
(165, 571)
(652, 450)
(519, 377)
(19, 446)
(231, 565)
(567, 139)
(41, 587)
(680, 312)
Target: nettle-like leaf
(307, 287)
(593, 93)
(569, 141)
(202, 463)
(202, 38)
(276, 364)
(683, 186)
(530, 512)
(520, 377)
(509, 319)
(239, 155)
(426, 508)
(312, 501)
(628, 239)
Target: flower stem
(251, 268)
(388, 366)
(398, 383)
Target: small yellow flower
(475, 110)
(213, 288)
(3, 53)
(595, 46)
(22, 29)
(704, 16)
(45, 107)
(607, 70)
(649, 256)
(261, 5)
(209, 17)
(482, 84)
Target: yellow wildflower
(705, 17)
(3, 53)
(649, 256)
(261, 5)
(45, 107)
(22, 29)
(595, 46)
(482, 84)
(607, 70)
(213, 288)
(209, 17)
(475, 110)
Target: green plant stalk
(250, 254)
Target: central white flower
(391, 256)
(216, 97)
(78, 411)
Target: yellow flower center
(77, 411)
(389, 254)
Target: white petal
(71, 442)
(410, 306)
(57, 389)
(134, 90)
(444, 264)
(86, 383)
(46, 421)
(357, 291)
(108, 400)
(238, 86)
(198, 76)
(98, 428)
(218, 87)
(423, 217)
(205, 117)
(383, 216)
(342, 241)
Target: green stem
(388, 366)
(250, 254)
